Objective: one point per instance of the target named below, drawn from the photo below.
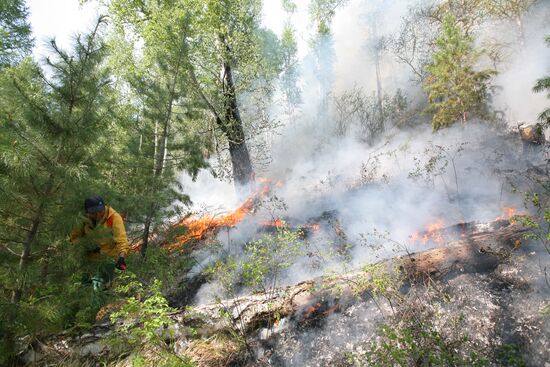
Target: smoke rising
(404, 179)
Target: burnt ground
(503, 316)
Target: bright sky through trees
(62, 19)
(59, 19)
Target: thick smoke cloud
(407, 178)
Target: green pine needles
(456, 91)
(543, 85)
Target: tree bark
(24, 259)
(229, 121)
(243, 172)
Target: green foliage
(510, 355)
(165, 138)
(15, 32)
(161, 264)
(259, 269)
(419, 344)
(541, 86)
(53, 129)
(144, 323)
(322, 12)
(185, 43)
(540, 222)
(417, 334)
(263, 262)
(371, 114)
(145, 312)
(379, 281)
(456, 92)
(268, 257)
(65, 134)
(289, 76)
(289, 6)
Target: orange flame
(314, 227)
(318, 310)
(432, 233)
(279, 223)
(200, 228)
(311, 310)
(508, 213)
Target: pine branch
(542, 85)
(9, 249)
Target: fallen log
(531, 133)
(479, 248)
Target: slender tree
(541, 86)
(157, 83)
(456, 91)
(222, 60)
(322, 47)
(290, 74)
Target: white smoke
(373, 187)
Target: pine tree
(53, 129)
(541, 86)
(290, 74)
(165, 140)
(15, 32)
(456, 91)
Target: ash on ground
(501, 318)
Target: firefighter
(103, 235)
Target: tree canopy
(15, 32)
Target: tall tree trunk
(161, 146)
(24, 259)
(521, 31)
(145, 236)
(230, 122)
(243, 172)
(379, 88)
(31, 235)
(156, 146)
(9, 337)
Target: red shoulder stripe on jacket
(109, 221)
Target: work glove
(121, 264)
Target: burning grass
(200, 228)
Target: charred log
(532, 137)
(532, 134)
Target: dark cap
(94, 204)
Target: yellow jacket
(109, 233)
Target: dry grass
(216, 351)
